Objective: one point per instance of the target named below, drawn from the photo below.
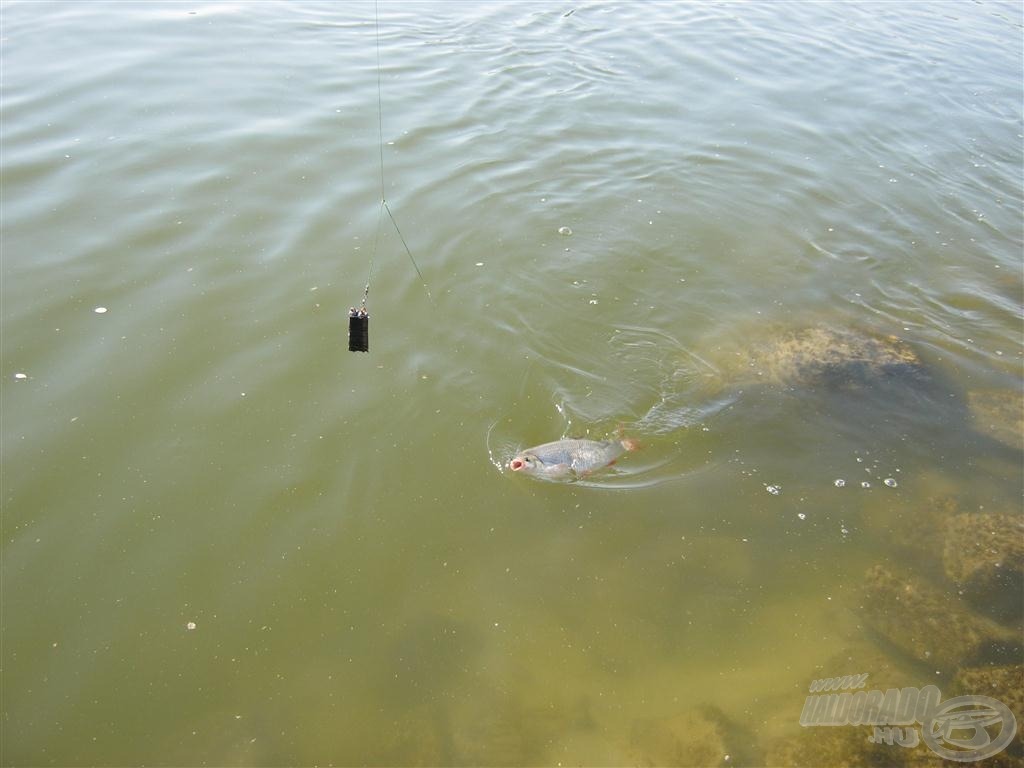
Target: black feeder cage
(358, 330)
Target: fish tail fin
(629, 443)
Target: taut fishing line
(359, 319)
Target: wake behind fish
(649, 388)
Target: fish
(570, 458)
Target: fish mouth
(515, 465)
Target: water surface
(366, 585)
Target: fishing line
(359, 319)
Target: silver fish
(570, 458)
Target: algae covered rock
(692, 738)
(917, 527)
(500, 729)
(999, 414)
(1004, 683)
(861, 655)
(922, 757)
(984, 552)
(836, 747)
(931, 625)
(821, 356)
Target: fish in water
(570, 458)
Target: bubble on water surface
(190, 626)
(100, 310)
(839, 483)
(774, 490)
(865, 484)
(891, 482)
(21, 376)
(564, 231)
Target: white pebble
(100, 310)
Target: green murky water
(228, 541)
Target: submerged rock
(930, 625)
(860, 655)
(999, 414)
(923, 757)
(984, 553)
(692, 738)
(915, 528)
(497, 727)
(836, 747)
(840, 359)
(1004, 683)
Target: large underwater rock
(822, 356)
(833, 746)
(692, 738)
(1004, 683)
(999, 414)
(984, 554)
(928, 624)
(916, 527)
